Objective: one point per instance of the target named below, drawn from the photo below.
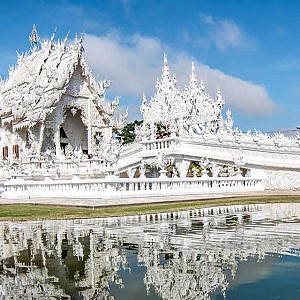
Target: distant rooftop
(287, 133)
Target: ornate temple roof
(177, 110)
(40, 77)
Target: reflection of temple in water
(187, 255)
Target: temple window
(5, 152)
(16, 151)
(98, 137)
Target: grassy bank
(38, 212)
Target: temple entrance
(73, 132)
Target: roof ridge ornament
(166, 70)
(193, 78)
(53, 34)
(81, 37)
(52, 39)
(65, 40)
(165, 59)
(79, 43)
(34, 38)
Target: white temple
(51, 103)
(186, 128)
(57, 136)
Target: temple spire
(34, 38)
(166, 71)
(66, 39)
(79, 43)
(53, 34)
(52, 38)
(193, 77)
(165, 59)
(193, 67)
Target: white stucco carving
(189, 125)
(51, 89)
(282, 180)
(51, 103)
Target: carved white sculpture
(51, 103)
(192, 122)
(182, 113)
(45, 92)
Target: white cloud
(245, 97)
(225, 34)
(248, 98)
(133, 63)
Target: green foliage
(127, 134)
(194, 165)
(172, 171)
(161, 131)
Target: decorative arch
(73, 130)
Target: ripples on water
(236, 252)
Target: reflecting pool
(236, 252)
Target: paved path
(130, 201)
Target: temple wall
(6, 141)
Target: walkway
(79, 202)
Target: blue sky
(250, 49)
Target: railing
(265, 153)
(158, 144)
(130, 155)
(127, 188)
(65, 167)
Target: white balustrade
(210, 146)
(127, 188)
(158, 144)
(65, 167)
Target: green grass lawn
(38, 212)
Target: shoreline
(46, 209)
(112, 202)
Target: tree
(127, 134)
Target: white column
(89, 129)
(182, 166)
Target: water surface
(237, 252)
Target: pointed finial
(81, 38)
(78, 43)
(193, 78)
(52, 38)
(66, 38)
(202, 85)
(193, 67)
(166, 72)
(53, 34)
(165, 59)
(144, 99)
(220, 100)
(34, 38)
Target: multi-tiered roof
(176, 110)
(36, 83)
